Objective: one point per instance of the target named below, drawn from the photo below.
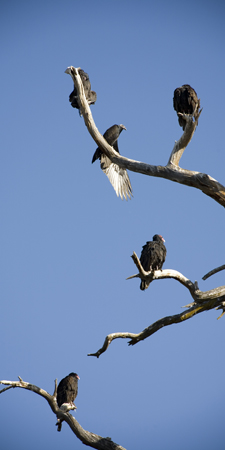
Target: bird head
(74, 375)
(158, 237)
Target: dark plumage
(67, 389)
(153, 256)
(117, 176)
(67, 392)
(184, 101)
(90, 95)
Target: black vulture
(185, 101)
(66, 393)
(117, 176)
(153, 256)
(90, 95)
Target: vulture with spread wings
(117, 176)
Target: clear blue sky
(66, 239)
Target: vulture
(184, 101)
(66, 393)
(117, 176)
(153, 256)
(90, 95)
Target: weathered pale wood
(88, 438)
(203, 301)
(208, 185)
(179, 147)
(197, 295)
(205, 183)
(195, 308)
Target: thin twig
(212, 272)
(6, 389)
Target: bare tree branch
(203, 301)
(179, 147)
(6, 389)
(222, 306)
(165, 321)
(197, 295)
(212, 272)
(208, 185)
(88, 438)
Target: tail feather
(97, 155)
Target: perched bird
(117, 176)
(153, 256)
(66, 393)
(184, 101)
(90, 95)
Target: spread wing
(117, 176)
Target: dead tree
(172, 171)
(202, 301)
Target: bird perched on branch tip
(153, 256)
(185, 101)
(90, 95)
(117, 176)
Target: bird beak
(123, 126)
(78, 377)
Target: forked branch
(197, 295)
(203, 301)
(208, 185)
(153, 328)
(88, 438)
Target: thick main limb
(171, 171)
